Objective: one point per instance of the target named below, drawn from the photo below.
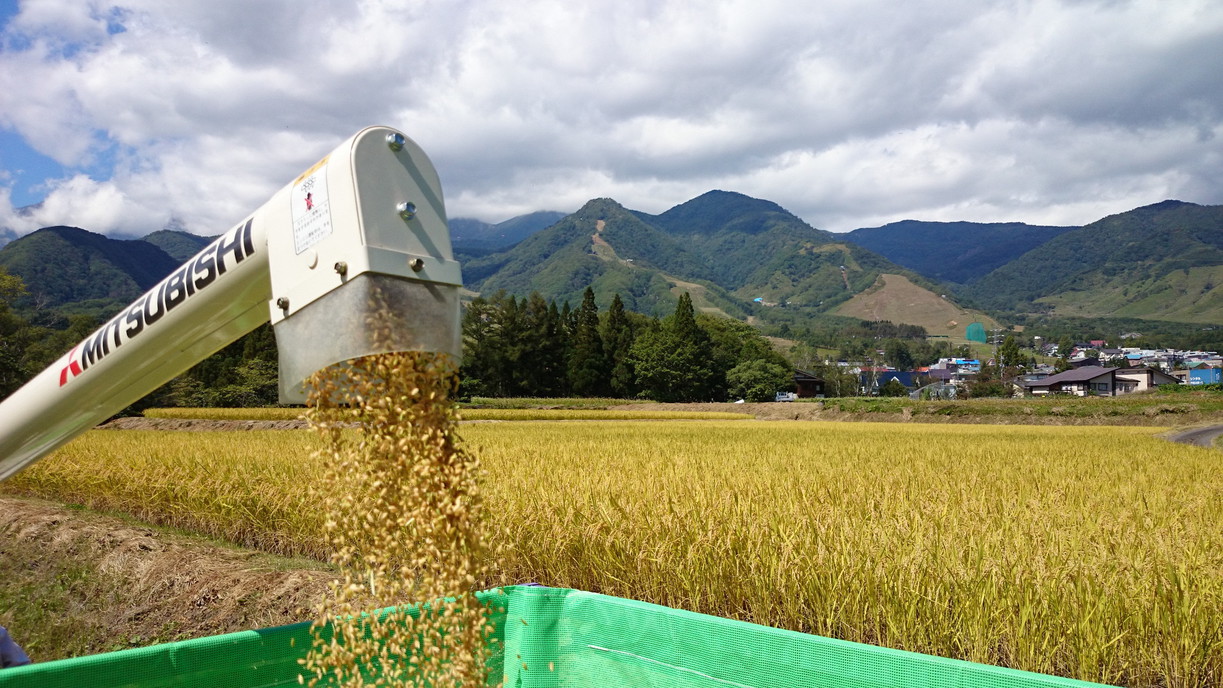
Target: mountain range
(750, 259)
(476, 236)
(957, 252)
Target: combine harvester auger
(367, 225)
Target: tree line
(530, 347)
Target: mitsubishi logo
(72, 367)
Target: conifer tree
(543, 364)
(618, 342)
(588, 369)
(559, 328)
(672, 360)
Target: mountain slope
(958, 252)
(562, 260)
(737, 255)
(757, 249)
(1162, 261)
(469, 234)
(97, 274)
(897, 299)
(178, 245)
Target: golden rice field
(1089, 552)
(467, 414)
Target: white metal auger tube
(351, 258)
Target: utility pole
(997, 339)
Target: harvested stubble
(1088, 552)
(403, 517)
(192, 413)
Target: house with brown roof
(1089, 380)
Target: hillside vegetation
(1160, 261)
(468, 234)
(736, 248)
(957, 252)
(93, 273)
(178, 245)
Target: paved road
(1202, 437)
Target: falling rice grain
(403, 513)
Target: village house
(1090, 380)
(1142, 379)
(807, 385)
(957, 369)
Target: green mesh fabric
(557, 637)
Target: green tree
(1010, 358)
(13, 372)
(672, 359)
(893, 388)
(986, 384)
(478, 354)
(618, 343)
(254, 384)
(758, 380)
(588, 369)
(1064, 345)
(731, 343)
(494, 346)
(663, 365)
(897, 353)
(543, 359)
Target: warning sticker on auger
(311, 211)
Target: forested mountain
(178, 245)
(1162, 261)
(91, 273)
(958, 252)
(603, 246)
(756, 249)
(743, 257)
(728, 249)
(467, 234)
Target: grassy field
(897, 299)
(1088, 552)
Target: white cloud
(848, 113)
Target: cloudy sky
(124, 117)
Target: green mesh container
(557, 637)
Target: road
(1202, 437)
